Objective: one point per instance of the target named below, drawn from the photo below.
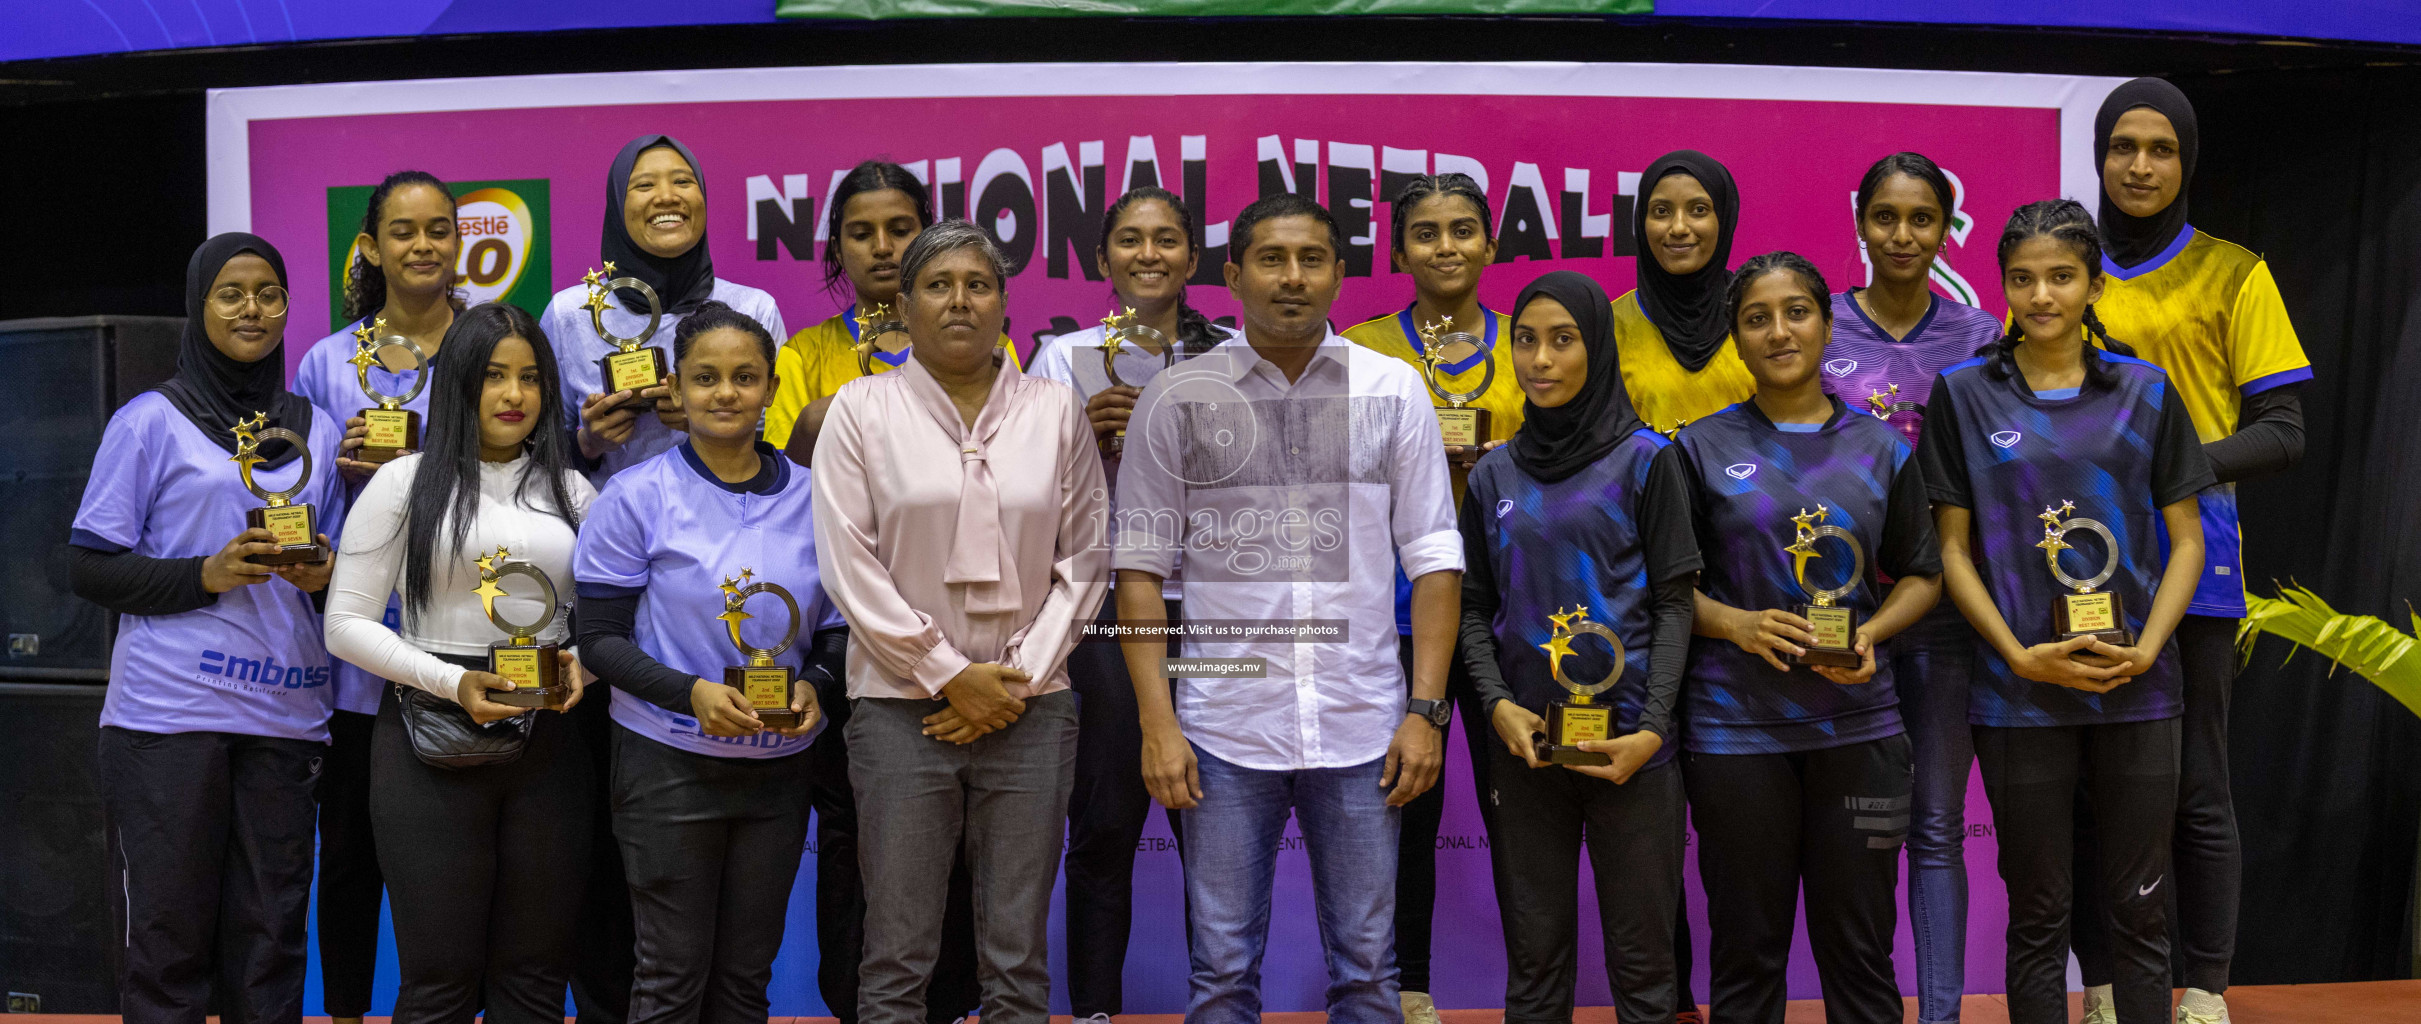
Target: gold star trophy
(1120, 335)
(771, 689)
(2086, 610)
(1581, 718)
(1461, 425)
(291, 523)
(873, 325)
(1886, 403)
(392, 430)
(532, 667)
(634, 365)
(1835, 625)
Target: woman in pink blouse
(959, 517)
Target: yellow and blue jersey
(815, 362)
(1665, 393)
(2208, 312)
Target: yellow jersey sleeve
(814, 364)
(1503, 398)
(1664, 393)
(2263, 351)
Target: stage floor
(2372, 1002)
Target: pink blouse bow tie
(979, 560)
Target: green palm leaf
(2367, 645)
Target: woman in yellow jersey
(1678, 361)
(1444, 236)
(2209, 313)
(878, 208)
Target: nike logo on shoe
(2147, 890)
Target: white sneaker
(2099, 1009)
(1419, 1008)
(1098, 1018)
(2200, 1007)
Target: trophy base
(296, 530)
(535, 672)
(1114, 445)
(769, 689)
(635, 370)
(389, 434)
(1568, 725)
(2098, 614)
(1836, 643)
(1463, 427)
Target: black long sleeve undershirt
(132, 584)
(2268, 437)
(606, 648)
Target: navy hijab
(1556, 443)
(683, 282)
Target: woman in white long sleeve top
(486, 864)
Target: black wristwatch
(1435, 712)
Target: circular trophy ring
(655, 313)
(866, 346)
(519, 632)
(1487, 362)
(1597, 629)
(301, 480)
(1131, 335)
(789, 635)
(2109, 565)
(420, 370)
(1857, 563)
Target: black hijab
(1688, 309)
(682, 282)
(215, 391)
(1556, 443)
(2127, 238)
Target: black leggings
(350, 887)
(489, 867)
(1107, 808)
(2032, 776)
(1416, 842)
(1833, 818)
(2205, 855)
(1633, 832)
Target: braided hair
(365, 283)
(1195, 335)
(1451, 183)
(2066, 221)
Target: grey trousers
(1005, 797)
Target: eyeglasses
(230, 302)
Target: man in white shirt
(1294, 470)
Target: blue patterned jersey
(1747, 479)
(1600, 538)
(2121, 453)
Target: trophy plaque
(634, 365)
(391, 430)
(874, 327)
(292, 524)
(1137, 349)
(2087, 610)
(1835, 625)
(769, 688)
(532, 667)
(1581, 718)
(1461, 425)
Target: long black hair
(366, 284)
(1915, 165)
(1452, 183)
(1781, 261)
(1195, 335)
(871, 176)
(445, 488)
(2066, 221)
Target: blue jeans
(1930, 664)
(1231, 861)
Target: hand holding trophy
(771, 690)
(392, 430)
(1834, 626)
(634, 365)
(292, 524)
(2087, 610)
(1581, 718)
(1136, 349)
(1463, 428)
(532, 667)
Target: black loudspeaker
(54, 868)
(65, 376)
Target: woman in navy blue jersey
(2043, 430)
(1797, 772)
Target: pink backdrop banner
(1033, 152)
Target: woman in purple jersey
(2059, 416)
(216, 719)
(1890, 339)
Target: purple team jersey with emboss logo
(1862, 361)
(1749, 478)
(253, 661)
(2119, 453)
(327, 379)
(668, 531)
